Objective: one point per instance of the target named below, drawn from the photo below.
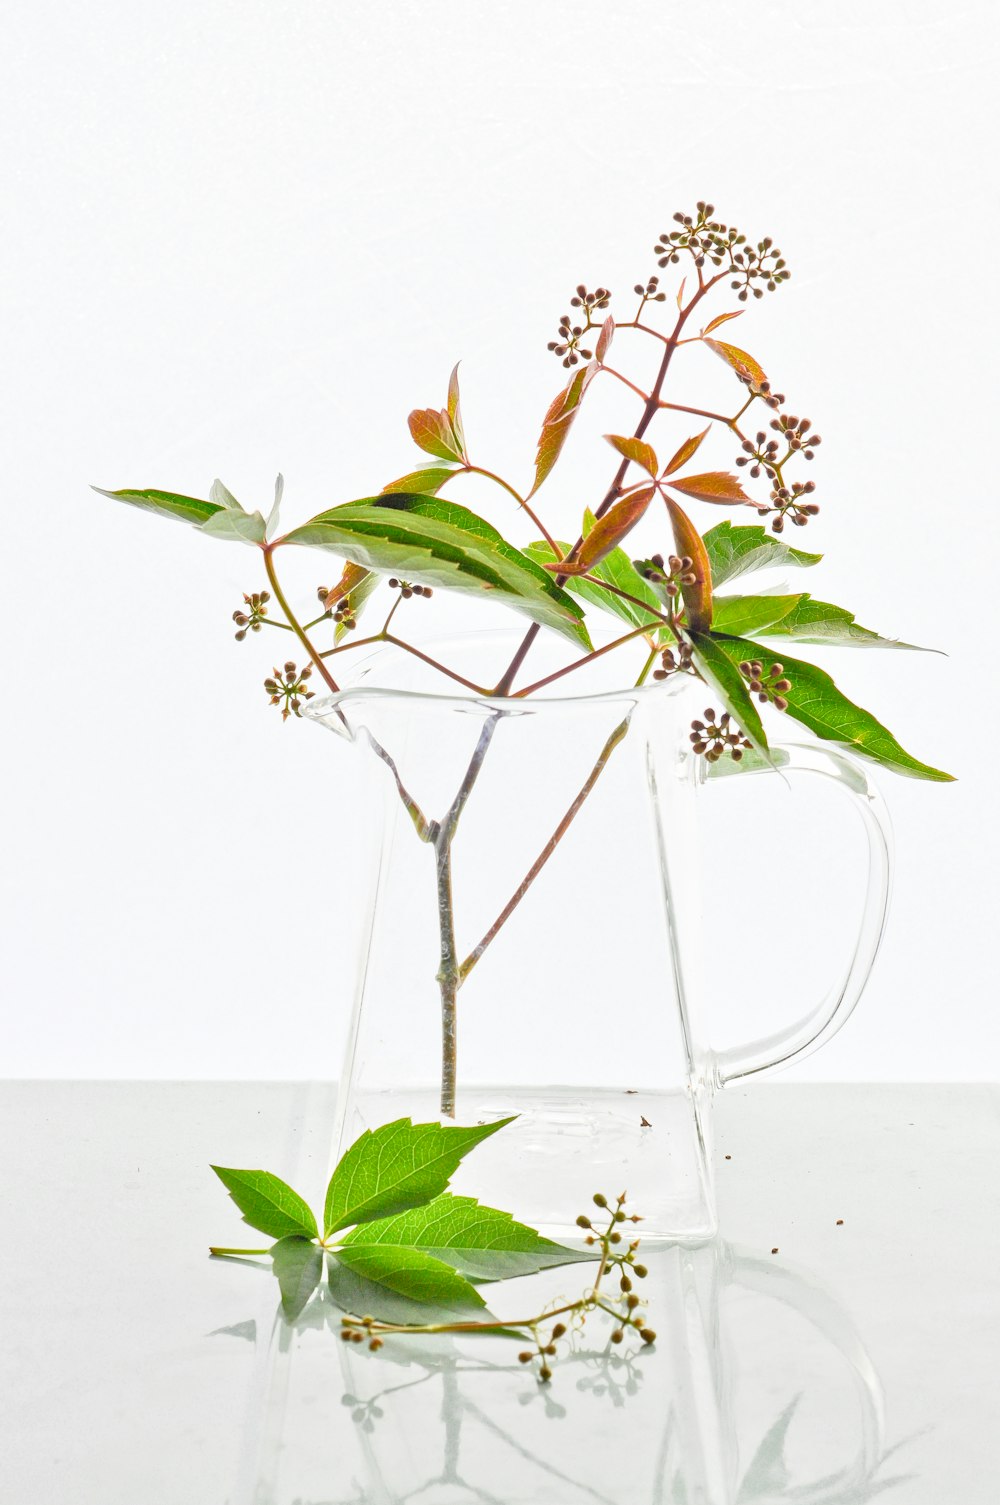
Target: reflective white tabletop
(858, 1361)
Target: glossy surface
(858, 1362)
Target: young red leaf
(352, 577)
(697, 594)
(607, 532)
(433, 432)
(716, 486)
(680, 292)
(720, 319)
(743, 364)
(455, 410)
(635, 449)
(604, 339)
(557, 422)
(684, 454)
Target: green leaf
(751, 762)
(482, 1242)
(617, 569)
(397, 1166)
(455, 409)
(223, 497)
(424, 482)
(298, 1264)
(819, 622)
(736, 551)
(188, 509)
(437, 543)
(244, 527)
(740, 615)
(722, 675)
(411, 1273)
(271, 524)
(353, 1293)
(268, 1203)
(816, 703)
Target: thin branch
(546, 852)
(588, 658)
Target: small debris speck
(840, 1222)
(774, 1251)
(729, 1157)
(644, 1122)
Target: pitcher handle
(822, 1023)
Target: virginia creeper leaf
(604, 339)
(357, 584)
(268, 1203)
(400, 1165)
(608, 531)
(271, 526)
(683, 455)
(720, 319)
(424, 482)
(411, 1273)
(697, 595)
(741, 615)
(246, 527)
(815, 701)
(354, 1293)
(736, 551)
(635, 449)
(723, 676)
(455, 409)
(437, 543)
(188, 509)
(298, 1264)
(557, 423)
(716, 486)
(743, 364)
(432, 431)
(481, 1242)
(819, 622)
(223, 497)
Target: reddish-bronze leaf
(635, 449)
(720, 319)
(680, 293)
(349, 581)
(743, 364)
(687, 449)
(604, 339)
(608, 532)
(455, 410)
(717, 486)
(557, 423)
(433, 432)
(698, 593)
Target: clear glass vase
(533, 943)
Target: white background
(244, 235)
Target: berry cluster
(787, 502)
(670, 574)
(288, 689)
(680, 662)
(250, 621)
(567, 344)
(650, 293)
(406, 590)
(713, 738)
(770, 687)
(590, 302)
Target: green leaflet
(298, 1264)
(617, 569)
(739, 615)
(819, 622)
(395, 1167)
(723, 676)
(354, 1293)
(481, 1242)
(188, 509)
(736, 551)
(438, 543)
(427, 481)
(815, 701)
(268, 1203)
(411, 1273)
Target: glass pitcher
(532, 944)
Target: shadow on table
(759, 1390)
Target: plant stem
(477, 470)
(588, 658)
(447, 977)
(317, 658)
(238, 1251)
(546, 852)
